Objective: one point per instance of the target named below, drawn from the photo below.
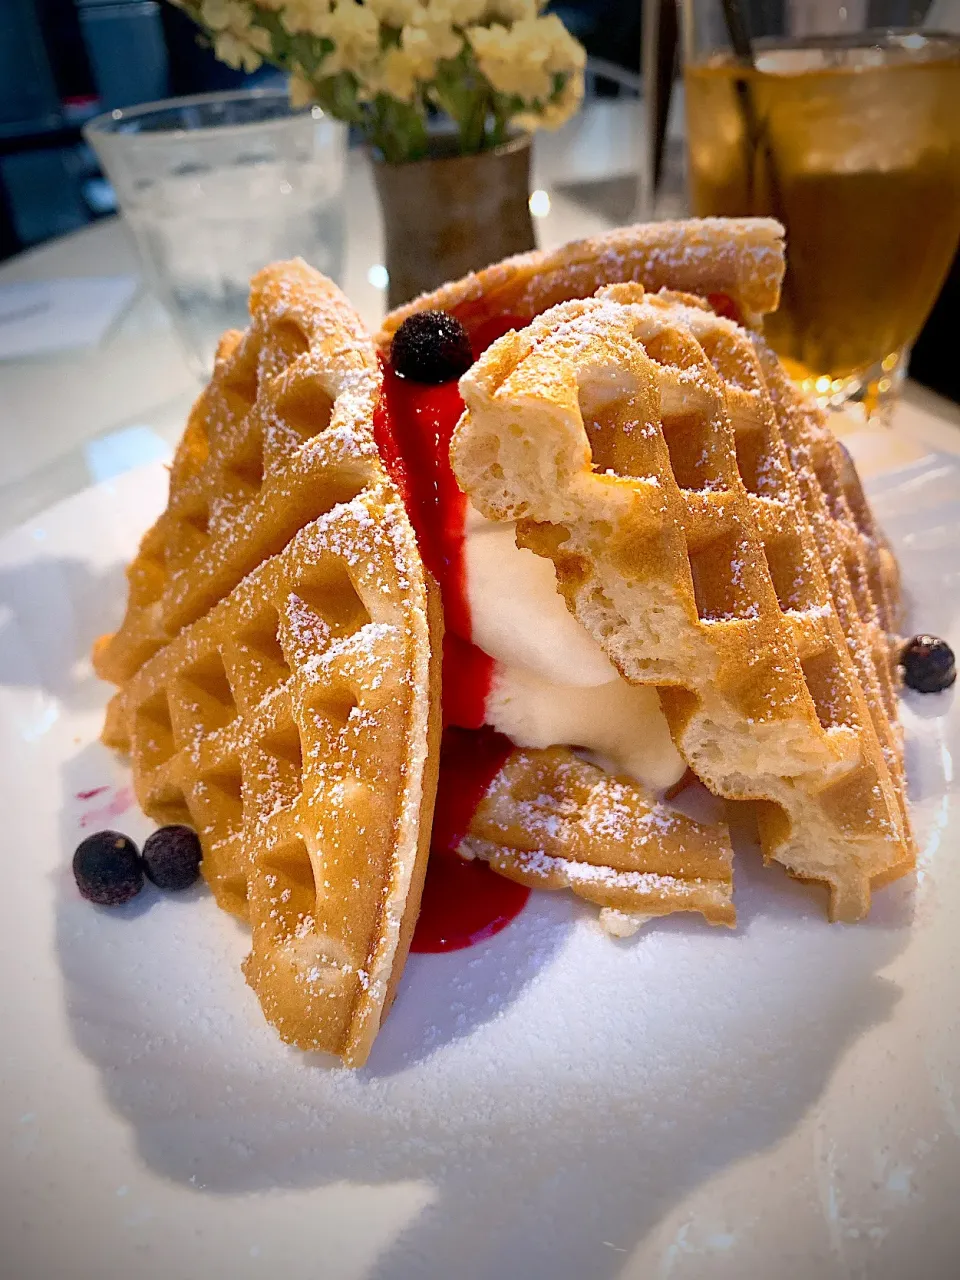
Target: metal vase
(449, 215)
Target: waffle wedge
(550, 820)
(279, 435)
(706, 531)
(739, 258)
(294, 720)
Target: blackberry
(431, 346)
(928, 664)
(171, 857)
(106, 867)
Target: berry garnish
(928, 664)
(171, 857)
(431, 346)
(106, 867)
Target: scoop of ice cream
(553, 683)
(517, 614)
(622, 724)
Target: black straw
(660, 62)
(758, 143)
(738, 31)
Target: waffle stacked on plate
(277, 664)
(737, 260)
(699, 520)
(552, 821)
(278, 684)
(290, 715)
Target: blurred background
(63, 61)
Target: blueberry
(431, 346)
(928, 664)
(107, 868)
(171, 857)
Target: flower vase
(449, 214)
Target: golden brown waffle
(638, 442)
(739, 257)
(293, 718)
(551, 821)
(294, 728)
(254, 466)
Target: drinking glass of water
(214, 187)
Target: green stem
(500, 118)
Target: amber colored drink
(857, 151)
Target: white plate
(779, 1101)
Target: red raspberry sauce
(463, 902)
(413, 425)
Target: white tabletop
(69, 419)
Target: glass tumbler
(216, 186)
(849, 133)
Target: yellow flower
(225, 15)
(355, 32)
(396, 13)
(513, 10)
(557, 112)
(311, 17)
(419, 52)
(396, 75)
(235, 52)
(260, 39)
(564, 53)
(301, 89)
(236, 41)
(456, 13)
(522, 60)
(508, 63)
(432, 32)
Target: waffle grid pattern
(263, 726)
(279, 435)
(684, 541)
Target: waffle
(549, 820)
(707, 532)
(294, 723)
(740, 258)
(252, 467)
